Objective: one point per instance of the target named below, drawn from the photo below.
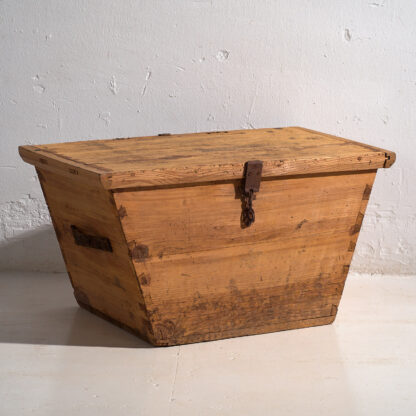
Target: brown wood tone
(202, 157)
(150, 228)
(103, 280)
(201, 274)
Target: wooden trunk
(152, 235)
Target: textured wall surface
(101, 69)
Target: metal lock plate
(252, 178)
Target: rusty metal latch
(252, 179)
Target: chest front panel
(201, 273)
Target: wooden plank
(204, 157)
(260, 329)
(180, 220)
(260, 265)
(208, 291)
(243, 314)
(213, 173)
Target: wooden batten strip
(209, 173)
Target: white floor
(56, 359)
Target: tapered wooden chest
(196, 237)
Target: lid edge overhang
(271, 168)
(369, 158)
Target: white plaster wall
(102, 69)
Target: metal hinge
(252, 179)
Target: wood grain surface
(204, 157)
(105, 281)
(150, 228)
(201, 274)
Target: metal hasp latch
(252, 178)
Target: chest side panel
(99, 266)
(204, 277)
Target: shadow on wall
(35, 250)
(39, 308)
